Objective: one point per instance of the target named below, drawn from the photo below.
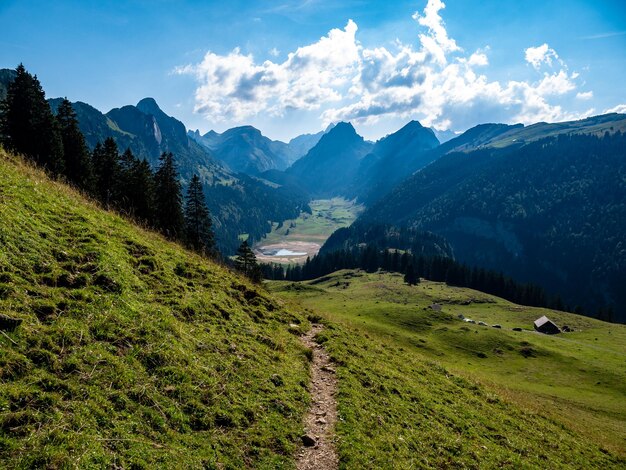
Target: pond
(286, 252)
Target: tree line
(118, 181)
(435, 268)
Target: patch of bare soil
(318, 443)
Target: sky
(293, 67)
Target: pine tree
(168, 201)
(135, 187)
(246, 262)
(198, 226)
(107, 172)
(410, 277)
(27, 124)
(143, 191)
(78, 166)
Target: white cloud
(620, 108)
(434, 81)
(274, 52)
(584, 95)
(544, 54)
(235, 87)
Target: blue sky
(290, 67)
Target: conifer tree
(78, 166)
(107, 172)
(27, 124)
(198, 226)
(410, 276)
(143, 191)
(168, 201)
(246, 262)
(135, 187)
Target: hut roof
(545, 325)
(542, 321)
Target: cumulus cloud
(434, 80)
(544, 54)
(234, 86)
(584, 95)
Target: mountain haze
(245, 150)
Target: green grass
(422, 388)
(134, 353)
(327, 216)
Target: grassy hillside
(420, 387)
(134, 353)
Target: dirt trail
(318, 451)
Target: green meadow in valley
(419, 387)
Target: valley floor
(304, 236)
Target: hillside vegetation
(132, 352)
(551, 212)
(419, 387)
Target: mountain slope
(392, 159)
(133, 352)
(551, 212)
(329, 168)
(595, 125)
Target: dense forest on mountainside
(551, 212)
(382, 237)
(250, 204)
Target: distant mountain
(329, 168)
(301, 144)
(392, 159)
(444, 136)
(552, 211)
(245, 150)
(148, 132)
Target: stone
(308, 441)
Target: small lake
(283, 252)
